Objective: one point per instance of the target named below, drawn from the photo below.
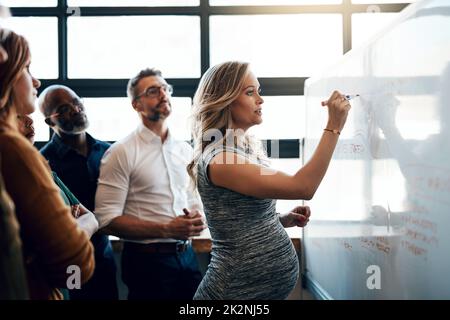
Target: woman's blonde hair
(219, 87)
(18, 52)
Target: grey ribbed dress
(252, 256)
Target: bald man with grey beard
(75, 157)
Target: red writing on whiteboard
(420, 223)
(377, 243)
(416, 235)
(414, 249)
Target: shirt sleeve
(194, 200)
(67, 193)
(112, 189)
(88, 223)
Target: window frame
(185, 87)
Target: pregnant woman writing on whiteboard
(252, 256)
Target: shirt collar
(62, 149)
(148, 136)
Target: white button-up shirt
(145, 178)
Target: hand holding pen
(338, 107)
(347, 97)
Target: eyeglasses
(77, 105)
(155, 91)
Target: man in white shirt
(144, 197)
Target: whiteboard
(380, 226)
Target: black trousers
(102, 285)
(160, 276)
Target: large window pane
(112, 119)
(132, 3)
(383, 1)
(278, 45)
(289, 166)
(270, 2)
(118, 47)
(366, 25)
(283, 118)
(29, 3)
(42, 35)
(179, 120)
(42, 130)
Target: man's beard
(158, 114)
(154, 117)
(72, 128)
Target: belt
(157, 247)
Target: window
(366, 25)
(283, 118)
(29, 3)
(118, 47)
(278, 45)
(97, 51)
(112, 119)
(42, 35)
(289, 166)
(269, 2)
(383, 1)
(42, 130)
(132, 3)
(179, 120)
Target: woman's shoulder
(214, 150)
(229, 154)
(11, 140)
(215, 154)
(18, 151)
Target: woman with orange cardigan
(53, 244)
